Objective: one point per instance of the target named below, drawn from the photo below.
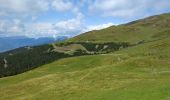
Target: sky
(52, 18)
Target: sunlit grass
(137, 73)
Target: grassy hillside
(141, 72)
(27, 58)
(94, 42)
(125, 62)
(141, 30)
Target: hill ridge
(94, 42)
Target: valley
(124, 62)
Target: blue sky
(51, 18)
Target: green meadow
(141, 72)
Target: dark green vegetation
(27, 58)
(139, 72)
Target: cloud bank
(70, 17)
(128, 8)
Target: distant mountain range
(9, 43)
(125, 62)
(151, 32)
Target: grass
(137, 73)
(70, 49)
(146, 29)
(141, 72)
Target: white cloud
(22, 7)
(68, 28)
(127, 8)
(40, 29)
(3, 25)
(2, 13)
(62, 28)
(17, 27)
(28, 10)
(11, 28)
(70, 24)
(22, 17)
(15, 14)
(97, 27)
(62, 5)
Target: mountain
(147, 29)
(95, 42)
(124, 62)
(29, 57)
(9, 43)
(142, 71)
